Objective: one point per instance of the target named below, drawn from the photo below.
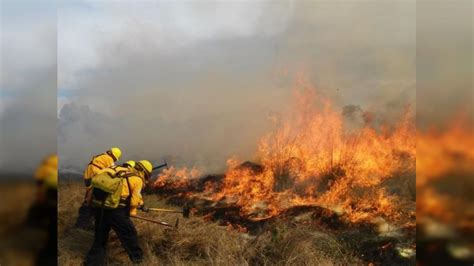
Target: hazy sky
(28, 123)
(445, 60)
(198, 80)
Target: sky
(445, 59)
(196, 82)
(28, 121)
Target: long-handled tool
(185, 211)
(160, 166)
(164, 210)
(156, 222)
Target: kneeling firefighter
(116, 196)
(97, 163)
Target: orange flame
(446, 158)
(175, 178)
(312, 157)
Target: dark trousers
(84, 219)
(119, 221)
(48, 255)
(38, 215)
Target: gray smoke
(203, 92)
(445, 62)
(27, 85)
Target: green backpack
(107, 188)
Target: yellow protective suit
(136, 185)
(47, 166)
(98, 163)
(46, 176)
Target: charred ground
(219, 234)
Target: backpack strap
(92, 162)
(95, 165)
(129, 198)
(109, 153)
(120, 173)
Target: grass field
(18, 244)
(201, 242)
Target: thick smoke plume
(200, 93)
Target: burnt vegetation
(221, 235)
(360, 242)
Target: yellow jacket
(98, 163)
(115, 169)
(48, 167)
(46, 176)
(136, 185)
(51, 181)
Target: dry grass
(18, 244)
(199, 242)
(16, 199)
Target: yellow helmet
(52, 161)
(130, 164)
(145, 165)
(47, 167)
(116, 152)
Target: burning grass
(313, 157)
(294, 238)
(445, 189)
(320, 191)
(200, 242)
(446, 155)
(316, 172)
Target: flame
(443, 155)
(314, 157)
(173, 178)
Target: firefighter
(129, 164)
(118, 218)
(46, 201)
(46, 172)
(99, 162)
(46, 176)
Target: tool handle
(160, 166)
(164, 210)
(151, 221)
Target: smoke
(445, 59)
(350, 111)
(28, 85)
(199, 92)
